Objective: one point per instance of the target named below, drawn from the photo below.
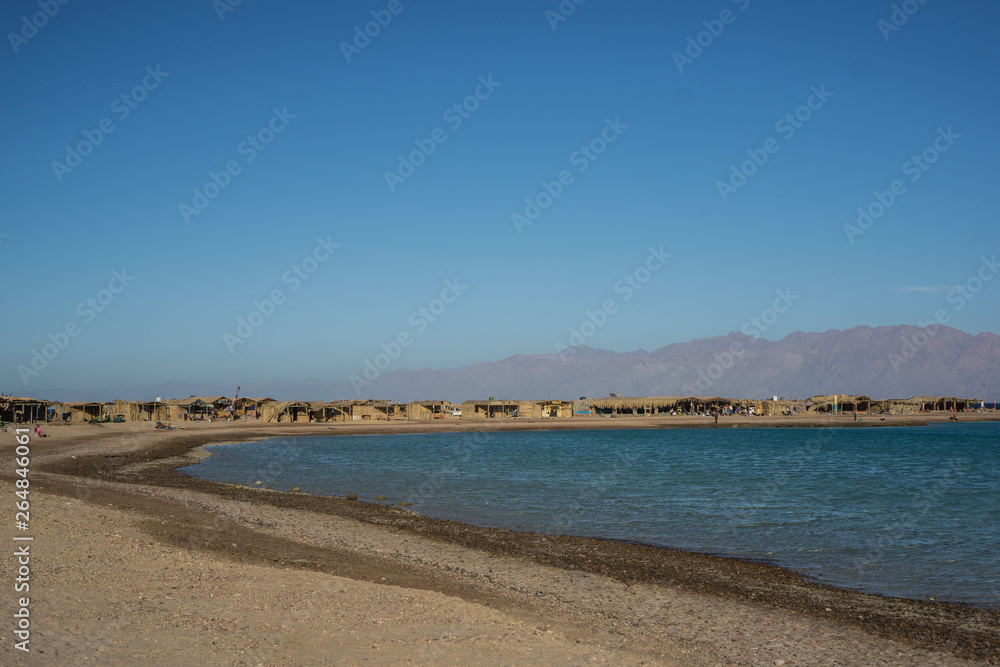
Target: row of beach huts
(25, 410)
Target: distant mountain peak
(888, 361)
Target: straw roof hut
(21, 409)
(780, 407)
(192, 406)
(929, 404)
(249, 408)
(842, 403)
(218, 403)
(548, 409)
(427, 410)
(153, 411)
(657, 405)
(284, 412)
(489, 409)
(362, 410)
(321, 411)
(78, 412)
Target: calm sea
(909, 512)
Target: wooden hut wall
(416, 411)
(530, 409)
(473, 410)
(130, 411)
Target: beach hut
(427, 410)
(219, 405)
(21, 409)
(489, 409)
(285, 412)
(822, 403)
(192, 407)
(175, 408)
(658, 405)
(771, 408)
(249, 408)
(368, 410)
(842, 403)
(79, 412)
(339, 411)
(948, 403)
(127, 410)
(153, 411)
(858, 403)
(321, 411)
(550, 409)
(198, 408)
(553, 409)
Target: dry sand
(132, 563)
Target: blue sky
(200, 90)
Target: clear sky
(203, 151)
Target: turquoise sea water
(910, 512)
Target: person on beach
(38, 431)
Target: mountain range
(882, 362)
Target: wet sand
(132, 560)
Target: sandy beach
(133, 562)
